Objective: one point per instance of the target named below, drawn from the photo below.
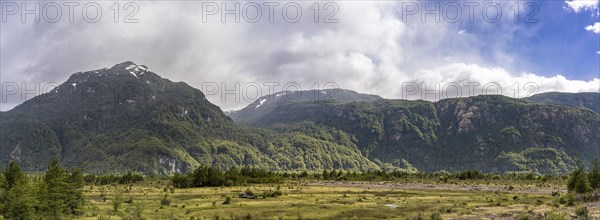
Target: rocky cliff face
(455, 134)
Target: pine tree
(56, 189)
(17, 199)
(74, 194)
(578, 181)
(594, 175)
(2, 192)
(582, 185)
(12, 175)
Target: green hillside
(129, 118)
(586, 100)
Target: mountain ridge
(129, 118)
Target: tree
(594, 175)
(12, 175)
(578, 181)
(74, 194)
(19, 201)
(55, 190)
(16, 199)
(117, 201)
(181, 180)
(325, 174)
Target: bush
(435, 216)
(582, 211)
(555, 216)
(249, 192)
(569, 199)
(117, 201)
(227, 200)
(165, 201)
(524, 217)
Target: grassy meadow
(337, 200)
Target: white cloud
(582, 5)
(370, 50)
(460, 80)
(594, 28)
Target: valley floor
(335, 200)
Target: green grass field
(338, 200)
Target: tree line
(127, 178)
(51, 195)
(205, 176)
(212, 176)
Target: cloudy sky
(395, 49)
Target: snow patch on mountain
(261, 103)
(136, 70)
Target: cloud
(369, 50)
(594, 28)
(582, 5)
(460, 79)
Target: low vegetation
(249, 193)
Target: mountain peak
(124, 68)
(131, 68)
(124, 64)
(268, 103)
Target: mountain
(586, 100)
(129, 118)
(489, 133)
(264, 105)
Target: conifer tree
(17, 199)
(56, 188)
(74, 194)
(594, 175)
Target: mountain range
(127, 117)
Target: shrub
(523, 217)
(570, 199)
(435, 216)
(555, 215)
(227, 200)
(117, 201)
(165, 201)
(249, 192)
(582, 211)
